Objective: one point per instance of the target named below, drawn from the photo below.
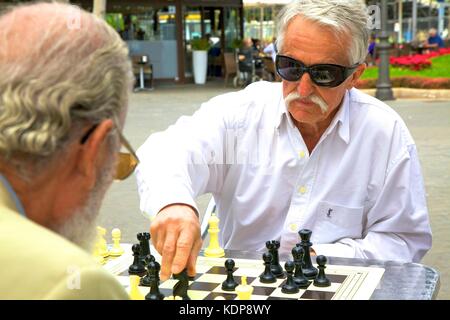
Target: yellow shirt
(36, 263)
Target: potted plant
(200, 49)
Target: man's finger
(185, 244)
(167, 253)
(158, 241)
(191, 269)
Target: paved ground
(429, 122)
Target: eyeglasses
(323, 75)
(127, 162)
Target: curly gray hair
(345, 17)
(55, 77)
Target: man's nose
(305, 85)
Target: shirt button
(293, 227)
(302, 190)
(301, 154)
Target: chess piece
(135, 294)
(275, 266)
(153, 273)
(229, 284)
(137, 268)
(244, 291)
(145, 248)
(146, 280)
(180, 289)
(116, 250)
(308, 269)
(290, 286)
(267, 276)
(321, 279)
(219, 298)
(101, 241)
(214, 250)
(96, 254)
(144, 239)
(299, 277)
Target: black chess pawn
(229, 284)
(153, 273)
(299, 277)
(137, 268)
(321, 279)
(308, 269)
(290, 286)
(277, 269)
(267, 276)
(180, 289)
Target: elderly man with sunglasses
(64, 85)
(312, 152)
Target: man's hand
(176, 236)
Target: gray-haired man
(312, 152)
(65, 79)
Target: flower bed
(417, 62)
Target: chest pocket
(334, 222)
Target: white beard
(80, 228)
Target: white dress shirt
(360, 191)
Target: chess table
(399, 281)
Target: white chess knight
(116, 249)
(214, 250)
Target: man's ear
(356, 75)
(93, 151)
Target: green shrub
(200, 44)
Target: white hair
(345, 17)
(57, 76)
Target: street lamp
(384, 87)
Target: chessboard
(347, 282)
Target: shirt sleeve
(186, 160)
(397, 226)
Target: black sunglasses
(323, 75)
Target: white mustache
(313, 98)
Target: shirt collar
(13, 199)
(341, 118)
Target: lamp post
(384, 87)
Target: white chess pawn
(214, 250)
(244, 291)
(116, 250)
